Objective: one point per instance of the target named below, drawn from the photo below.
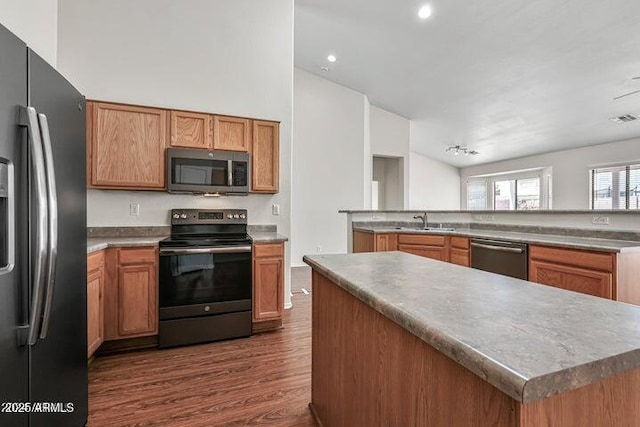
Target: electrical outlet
(600, 220)
(134, 209)
(275, 209)
(319, 249)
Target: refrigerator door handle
(28, 117)
(52, 223)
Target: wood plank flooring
(264, 380)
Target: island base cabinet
(369, 371)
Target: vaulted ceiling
(508, 78)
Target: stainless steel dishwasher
(496, 256)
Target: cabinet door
(268, 279)
(191, 130)
(363, 242)
(576, 279)
(137, 300)
(433, 252)
(95, 311)
(459, 256)
(265, 157)
(127, 146)
(386, 242)
(231, 133)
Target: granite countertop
(529, 341)
(267, 237)
(95, 244)
(588, 243)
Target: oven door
(197, 281)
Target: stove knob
(243, 216)
(176, 216)
(229, 216)
(183, 216)
(236, 216)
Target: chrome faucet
(423, 217)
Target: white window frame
(614, 183)
(543, 174)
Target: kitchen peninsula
(403, 340)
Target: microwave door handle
(53, 224)
(230, 172)
(28, 118)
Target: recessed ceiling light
(424, 12)
(332, 58)
(324, 68)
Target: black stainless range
(205, 277)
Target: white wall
(570, 170)
(433, 184)
(329, 163)
(227, 56)
(390, 137)
(35, 22)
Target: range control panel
(208, 216)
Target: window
(477, 195)
(519, 190)
(615, 187)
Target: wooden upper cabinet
(231, 133)
(191, 130)
(126, 146)
(265, 157)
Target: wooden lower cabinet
(426, 245)
(374, 242)
(574, 270)
(95, 301)
(268, 285)
(459, 252)
(131, 308)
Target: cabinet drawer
(459, 256)
(421, 239)
(591, 260)
(95, 260)
(460, 242)
(137, 256)
(268, 250)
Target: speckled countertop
(95, 244)
(529, 341)
(588, 243)
(267, 237)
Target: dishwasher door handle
(497, 248)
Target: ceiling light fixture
(332, 58)
(457, 149)
(424, 12)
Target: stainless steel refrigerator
(43, 320)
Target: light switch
(275, 209)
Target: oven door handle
(192, 251)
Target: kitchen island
(403, 340)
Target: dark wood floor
(264, 380)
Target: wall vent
(624, 119)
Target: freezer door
(59, 358)
(14, 290)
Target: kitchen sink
(425, 229)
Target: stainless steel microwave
(207, 172)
